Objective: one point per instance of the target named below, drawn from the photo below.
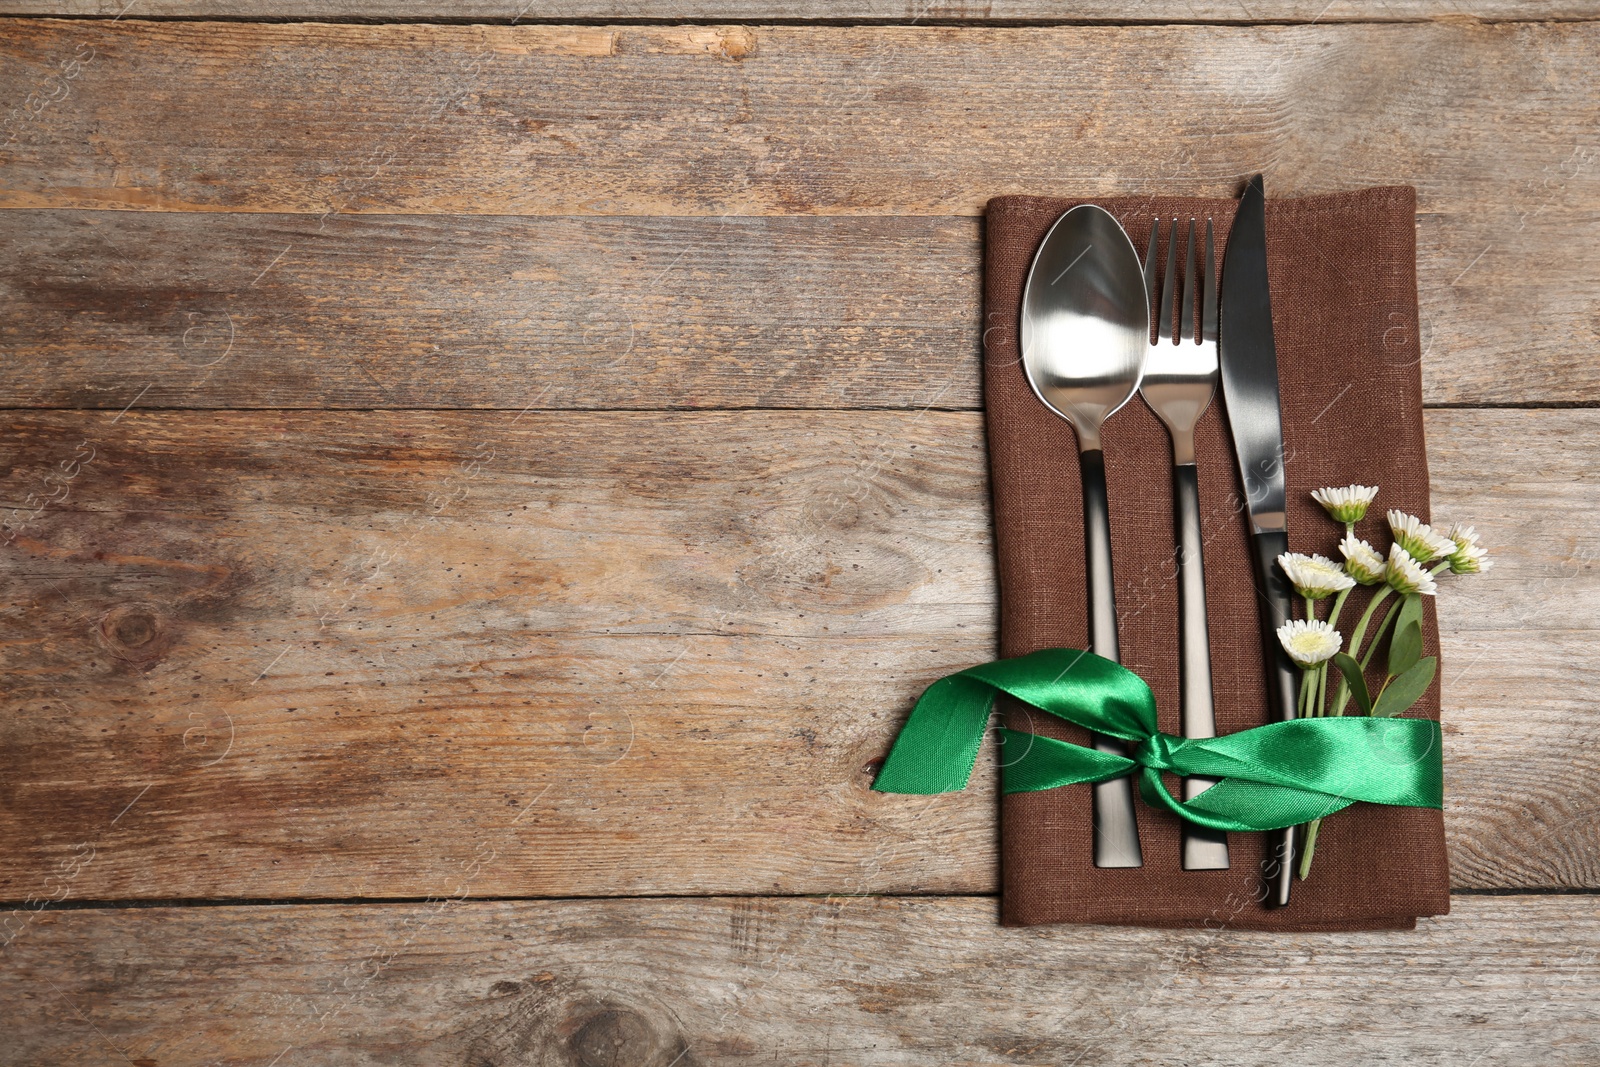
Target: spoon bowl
(1085, 320)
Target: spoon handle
(1204, 849)
(1116, 832)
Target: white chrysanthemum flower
(1348, 504)
(1309, 643)
(1314, 576)
(1422, 542)
(1405, 575)
(1469, 556)
(1361, 561)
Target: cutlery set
(1086, 326)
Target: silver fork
(1180, 376)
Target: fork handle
(1204, 849)
(1116, 831)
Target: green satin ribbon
(1281, 774)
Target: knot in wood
(135, 633)
(615, 1035)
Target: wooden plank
(1520, 632)
(895, 11)
(707, 120)
(865, 981)
(242, 310)
(282, 655)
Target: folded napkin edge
(1310, 203)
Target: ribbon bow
(1272, 776)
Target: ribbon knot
(1272, 776)
(1156, 752)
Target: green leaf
(1354, 679)
(1405, 647)
(1405, 690)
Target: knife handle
(1283, 676)
(1116, 830)
(1204, 849)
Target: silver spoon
(1085, 334)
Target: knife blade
(1248, 360)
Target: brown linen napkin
(1344, 303)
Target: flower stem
(1377, 636)
(1338, 603)
(1309, 848)
(1322, 672)
(1366, 617)
(1343, 696)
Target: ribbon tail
(1079, 687)
(939, 743)
(1378, 760)
(1031, 762)
(1238, 806)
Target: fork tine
(1186, 333)
(1151, 279)
(1168, 285)
(1208, 296)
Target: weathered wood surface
(630, 653)
(806, 983)
(898, 11)
(242, 310)
(1491, 121)
(339, 308)
(378, 654)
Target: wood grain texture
(1491, 120)
(627, 650)
(289, 655)
(243, 310)
(864, 981)
(901, 11)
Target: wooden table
(484, 495)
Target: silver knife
(1249, 366)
